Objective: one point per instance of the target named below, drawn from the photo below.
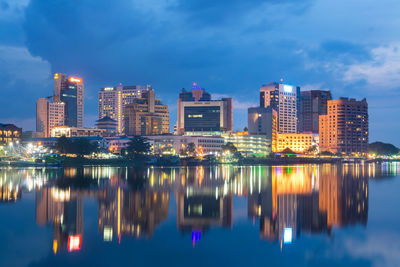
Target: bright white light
(287, 88)
(287, 235)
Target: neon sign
(75, 80)
(287, 88)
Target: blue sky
(351, 47)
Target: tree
(138, 146)
(63, 145)
(229, 147)
(80, 146)
(380, 148)
(191, 149)
(311, 150)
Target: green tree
(138, 146)
(63, 145)
(191, 149)
(229, 147)
(80, 146)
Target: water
(306, 215)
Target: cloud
(382, 71)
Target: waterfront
(303, 215)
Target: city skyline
(302, 52)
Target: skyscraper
(312, 104)
(146, 116)
(71, 92)
(197, 113)
(285, 99)
(112, 101)
(344, 129)
(263, 121)
(48, 115)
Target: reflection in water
(286, 201)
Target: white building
(112, 101)
(67, 131)
(49, 115)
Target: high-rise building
(48, 115)
(263, 121)
(344, 129)
(112, 101)
(198, 114)
(285, 99)
(312, 104)
(146, 116)
(71, 92)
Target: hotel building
(285, 99)
(298, 143)
(344, 129)
(146, 116)
(112, 101)
(312, 104)
(48, 115)
(199, 115)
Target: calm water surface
(305, 215)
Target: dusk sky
(230, 48)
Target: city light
(287, 235)
(74, 242)
(75, 80)
(287, 88)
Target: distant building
(345, 127)
(285, 99)
(263, 121)
(249, 145)
(70, 91)
(313, 103)
(9, 133)
(67, 131)
(198, 114)
(108, 124)
(146, 116)
(298, 143)
(48, 115)
(112, 101)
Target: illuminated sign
(108, 88)
(75, 80)
(287, 235)
(56, 76)
(287, 88)
(74, 242)
(195, 116)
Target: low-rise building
(247, 144)
(108, 124)
(66, 131)
(9, 133)
(298, 143)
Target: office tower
(312, 104)
(48, 115)
(112, 101)
(263, 121)
(285, 99)
(146, 116)
(71, 92)
(198, 114)
(344, 129)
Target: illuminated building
(9, 133)
(199, 115)
(70, 91)
(345, 127)
(112, 101)
(107, 124)
(285, 99)
(263, 121)
(146, 116)
(312, 104)
(66, 131)
(249, 144)
(298, 143)
(48, 115)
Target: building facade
(107, 124)
(249, 145)
(198, 114)
(344, 129)
(312, 104)
(67, 131)
(285, 99)
(298, 143)
(49, 115)
(9, 133)
(263, 121)
(146, 116)
(112, 101)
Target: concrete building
(263, 121)
(146, 116)
(67, 131)
(70, 91)
(298, 143)
(112, 101)
(249, 145)
(48, 115)
(285, 99)
(9, 133)
(344, 129)
(108, 124)
(313, 103)
(198, 114)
